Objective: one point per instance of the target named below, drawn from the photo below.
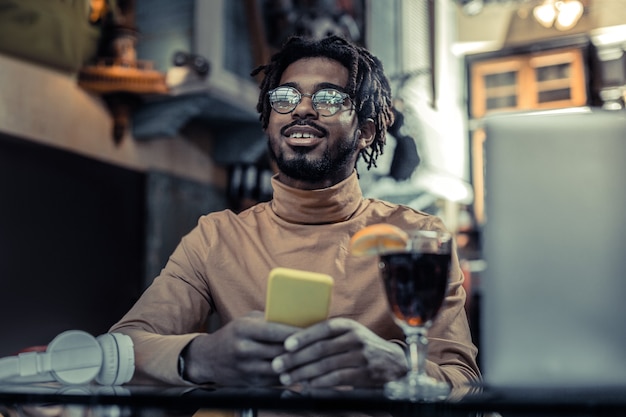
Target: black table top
(470, 401)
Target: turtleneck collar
(326, 205)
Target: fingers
(253, 326)
(327, 356)
(256, 342)
(255, 372)
(323, 330)
(330, 371)
(248, 348)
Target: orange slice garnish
(378, 238)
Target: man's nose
(305, 108)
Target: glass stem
(418, 345)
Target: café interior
(123, 121)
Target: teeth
(299, 135)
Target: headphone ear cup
(118, 364)
(75, 357)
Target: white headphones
(74, 357)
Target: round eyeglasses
(326, 101)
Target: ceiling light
(569, 14)
(545, 13)
(563, 14)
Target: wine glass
(416, 280)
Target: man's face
(310, 150)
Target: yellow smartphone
(296, 297)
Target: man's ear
(366, 133)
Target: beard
(302, 167)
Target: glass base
(417, 388)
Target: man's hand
(339, 352)
(240, 353)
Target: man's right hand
(239, 353)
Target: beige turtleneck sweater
(221, 267)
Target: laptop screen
(553, 304)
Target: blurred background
(123, 121)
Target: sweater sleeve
(170, 313)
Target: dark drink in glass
(415, 284)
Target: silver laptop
(554, 291)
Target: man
(323, 104)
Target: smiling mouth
(302, 139)
(303, 136)
(300, 135)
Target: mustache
(303, 123)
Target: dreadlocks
(367, 84)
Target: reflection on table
(54, 400)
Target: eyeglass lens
(326, 102)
